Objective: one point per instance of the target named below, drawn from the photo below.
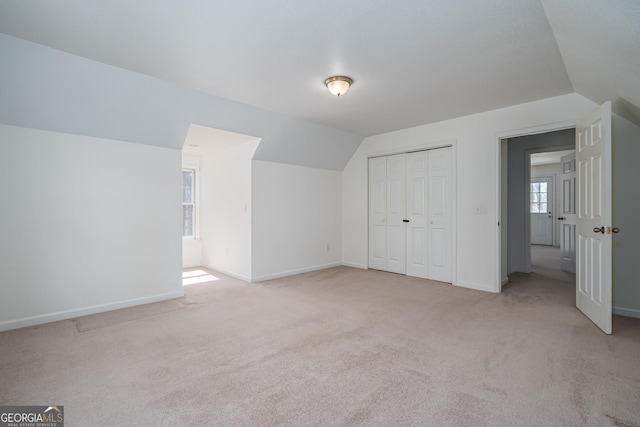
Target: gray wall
(517, 185)
(626, 211)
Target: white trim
(355, 265)
(70, 314)
(228, 273)
(293, 272)
(193, 265)
(442, 143)
(475, 286)
(627, 312)
(505, 281)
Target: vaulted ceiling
(413, 61)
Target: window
(538, 197)
(188, 203)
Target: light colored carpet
(335, 347)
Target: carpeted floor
(335, 347)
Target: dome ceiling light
(338, 85)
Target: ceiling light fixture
(338, 85)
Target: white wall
(296, 214)
(87, 225)
(226, 210)
(554, 170)
(477, 147)
(626, 211)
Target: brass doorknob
(599, 230)
(615, 230)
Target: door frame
(500, 215)
(451, 143)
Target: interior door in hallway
(594, 242)
(568, 214)
(541, 210)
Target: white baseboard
(627, 312)
(292, 272)
(191, 265)
(79, 312)
(355, 265)
(505, 281)
(475, 286)
(229, 273)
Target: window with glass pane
(538, 197)
(188, 203)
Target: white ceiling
(413, 61)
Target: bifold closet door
(440, 196)
(410, 214)
(430, 213)
(387, 200)
(378, 213)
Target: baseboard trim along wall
(355, 265)
(229, 273)
(70, 314)
(627, 312)
(474, 286)
(292, 272)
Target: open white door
(593, 153)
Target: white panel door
(378, 213)
(440, 214)
(411, 214)
(541, 209)
(593, 153)
(396, 206)
(568, 213)
(417, 215)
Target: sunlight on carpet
(196, 276)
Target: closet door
(417, 227)
(378, 213)
(411, 215)
(430, 214)
(396, 206)
(440, 212)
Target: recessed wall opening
(533, 203)
(216, 202)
